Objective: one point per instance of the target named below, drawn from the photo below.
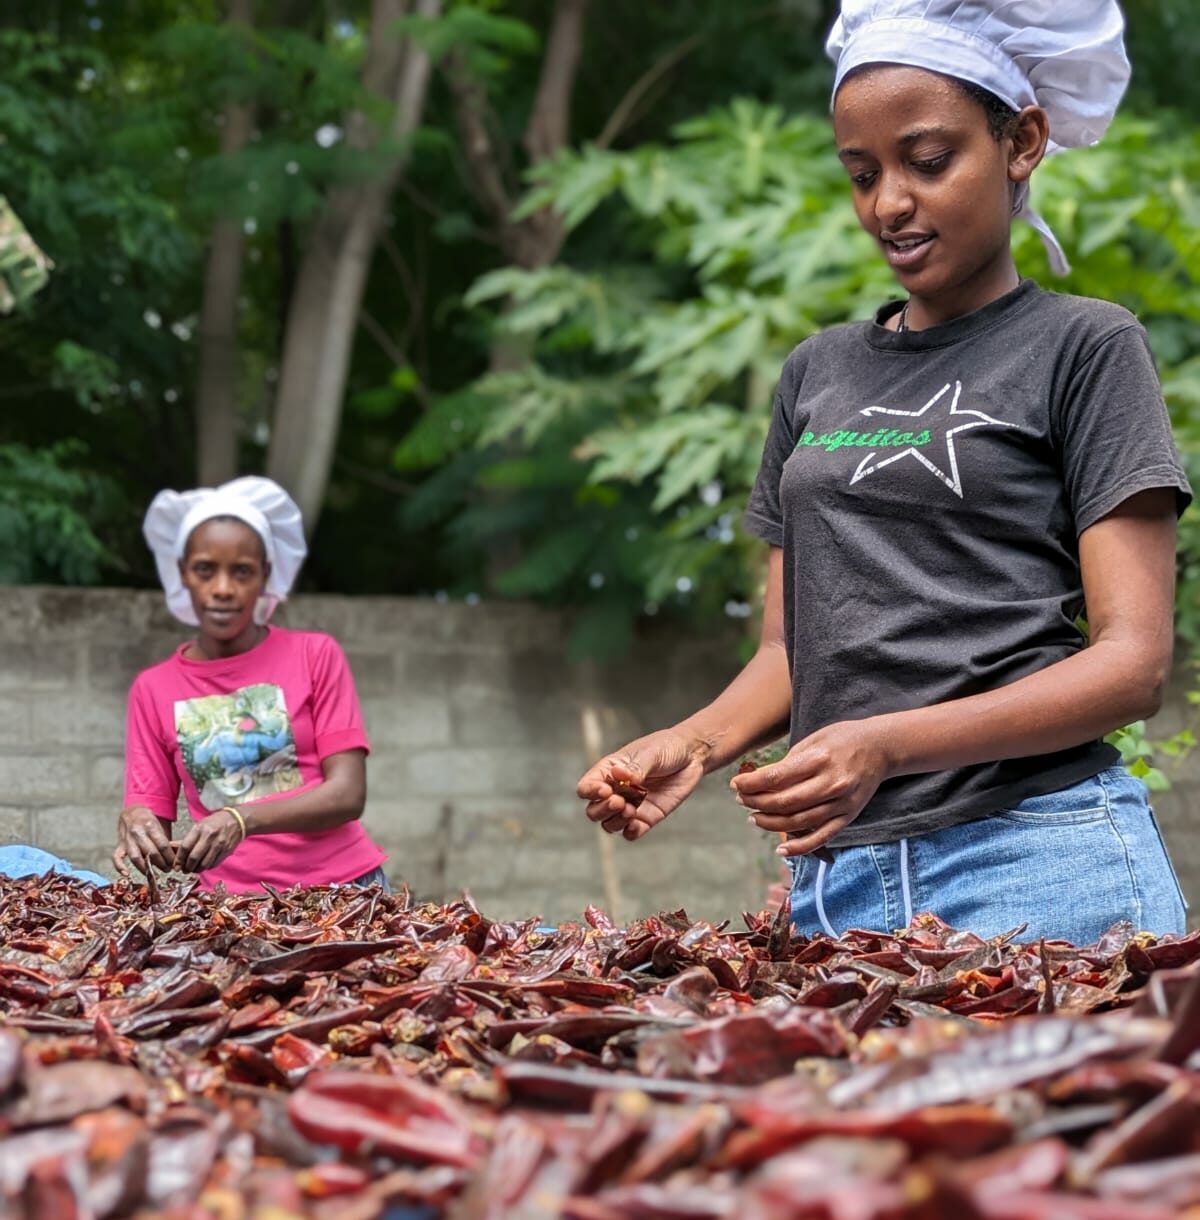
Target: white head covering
(261, 503)
(1066, 56)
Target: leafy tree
(50, 511)
(581, 426)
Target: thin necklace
(902, 320)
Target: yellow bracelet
(241, 821)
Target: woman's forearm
(339, 798)
(1074, 701)
(755, 708)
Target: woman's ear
(1029, 136)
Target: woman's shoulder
(1091, 315)
(307, 639)
(164, 670)
(310, 643)
(813, 347)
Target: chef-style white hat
(1067, 56)
(261, 503)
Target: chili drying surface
(344, 1053)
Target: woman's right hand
(142, 842)
(666, 764)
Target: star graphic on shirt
(970, 419)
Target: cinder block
(406, 721)
(500, 718)
(522, 870)
(20, 614)
(94, 613)
(15, 824)
(68, 830)
(93, 720)
(528, 673)
(33, 664)
(391, 821)
(113, 667)
(14, 721)
(106, 779)
(535, 774)
(374, 671)
(371, 620)
(418, 871)
(41, 779)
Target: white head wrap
(261, 503)
(1066, 56)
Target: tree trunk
(536, 240)
(216, 390)
(323, 315)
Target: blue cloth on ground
(21, 860)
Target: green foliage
(111, 155)
(49, 513)
(1140, 754)
(487, 40)
(608, 473)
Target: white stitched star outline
(869, 466)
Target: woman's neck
(207, 648)
(922, 313)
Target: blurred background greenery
(498, 288)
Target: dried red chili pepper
(514, 1064)
(630, 789)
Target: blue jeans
(375, 877)
(1069, 864)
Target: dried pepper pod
(818, 853)
(633, 792)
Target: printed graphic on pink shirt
(238, 747)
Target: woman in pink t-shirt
(259, 726)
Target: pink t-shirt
(250, 728)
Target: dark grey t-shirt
(928, 489)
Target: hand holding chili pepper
(819, 787)
(632, 790)
(143, 840)
(208, 842)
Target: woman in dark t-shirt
(943, 490)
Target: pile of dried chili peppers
(343, 1053)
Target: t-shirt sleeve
(764, 517)
(337, 716)
(1114, 432)
(150, 775)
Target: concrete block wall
(476, 721)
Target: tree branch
(368, 475)
(470, 109)
(379, 333)
(534, 241)
(549, 125)
(216, 415)
(627, 106)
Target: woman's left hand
(208, 842)
(820, 786)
